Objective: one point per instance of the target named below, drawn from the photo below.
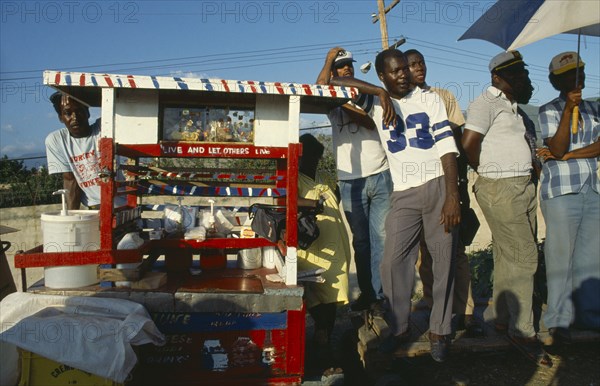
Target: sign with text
(183, 149)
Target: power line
(257, 58)
(314, 127)
(23, 158)
(218, 56)
(478, 56)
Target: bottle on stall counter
(213, 258)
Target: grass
(482, 273)
(482, 270)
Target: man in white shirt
(364, 181)
(73, 151)
(497, 148)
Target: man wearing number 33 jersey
(414, 130)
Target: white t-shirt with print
(79, 156)
(422, 135)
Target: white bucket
(269, 254)
(77, 231)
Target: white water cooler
(72, 231)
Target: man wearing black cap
(497, 147)
(73, 151)
(570, 202)
(364, 180)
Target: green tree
(20, 186)
(327, 166)
(12, 170)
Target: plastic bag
(179, 218)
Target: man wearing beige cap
(570, 202)
(497, 148)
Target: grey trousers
(411, 211)
(463, 303)
(509, 206)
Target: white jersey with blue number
(422, 135)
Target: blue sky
(241, 40)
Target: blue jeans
(572, 251)
(366, 203)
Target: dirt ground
(577, 364)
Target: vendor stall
(218, 146)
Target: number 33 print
(419, 122)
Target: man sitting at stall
(73, 151)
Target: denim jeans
(572, 252)
(366, 202)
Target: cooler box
(37, 370)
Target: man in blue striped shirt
(570, 202)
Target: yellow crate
(37, 370)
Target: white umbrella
(511, 24)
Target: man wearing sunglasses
(498, 148)
(364, 181)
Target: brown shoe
(470, 325)
(390, 344)
(532, 348)
(501, 328)
(560, 335)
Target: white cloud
(189, 74)
(9, 128)
(18, 149)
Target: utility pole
(383, 24)
(382, 10)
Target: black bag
(268, 221)
(308, 230)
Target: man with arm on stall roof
(363, 178)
